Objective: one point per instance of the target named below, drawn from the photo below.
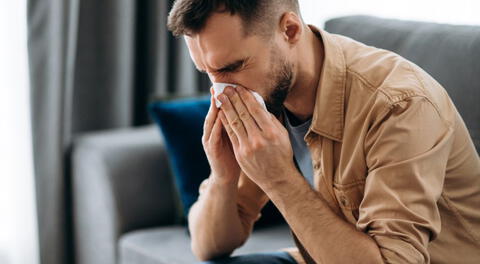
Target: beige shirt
(391, 155)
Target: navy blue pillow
(181, 124)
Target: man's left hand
(260, 142)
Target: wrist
(222, 188)
(225, 182)
(281, 181)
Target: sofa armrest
(121, 181)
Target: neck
(301, 99)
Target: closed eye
(230, 68)
(233, 67)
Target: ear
(291, 27)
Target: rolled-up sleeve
(406, 153)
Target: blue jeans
(257, 258)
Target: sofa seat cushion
(171, 245)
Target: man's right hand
(218, 147)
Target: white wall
(18, 231)
(453, 12)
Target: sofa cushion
(171, 245)
(449, 53)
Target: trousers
(257, 258)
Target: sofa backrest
(450, 53)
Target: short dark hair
(188, 17)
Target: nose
(218, 78)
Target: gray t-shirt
(299, 146)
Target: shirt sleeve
(406, 153)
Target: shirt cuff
(399, 251)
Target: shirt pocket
(349, 197)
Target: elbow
(200, 253)
(206, 254)
(207, 249)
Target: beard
(282, 76)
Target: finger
(210, 119)
(228, 128)
(275, 121)
(250, 125)
(256, 110)
(216, 131)
(233, 119)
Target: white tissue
(219, 87)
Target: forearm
(214, 222)
(327, 237)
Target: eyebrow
(230, 67)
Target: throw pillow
(181, 125)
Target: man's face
(222, 51)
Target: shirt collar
(328, 114)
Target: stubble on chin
(281, 87)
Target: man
(363, 152)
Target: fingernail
(222, 98)
(228, 91)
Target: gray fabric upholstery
(171, 245)
(450, 53)
(122, 182)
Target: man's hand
(218, 148)
(260, 142)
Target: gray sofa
(125, 205)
